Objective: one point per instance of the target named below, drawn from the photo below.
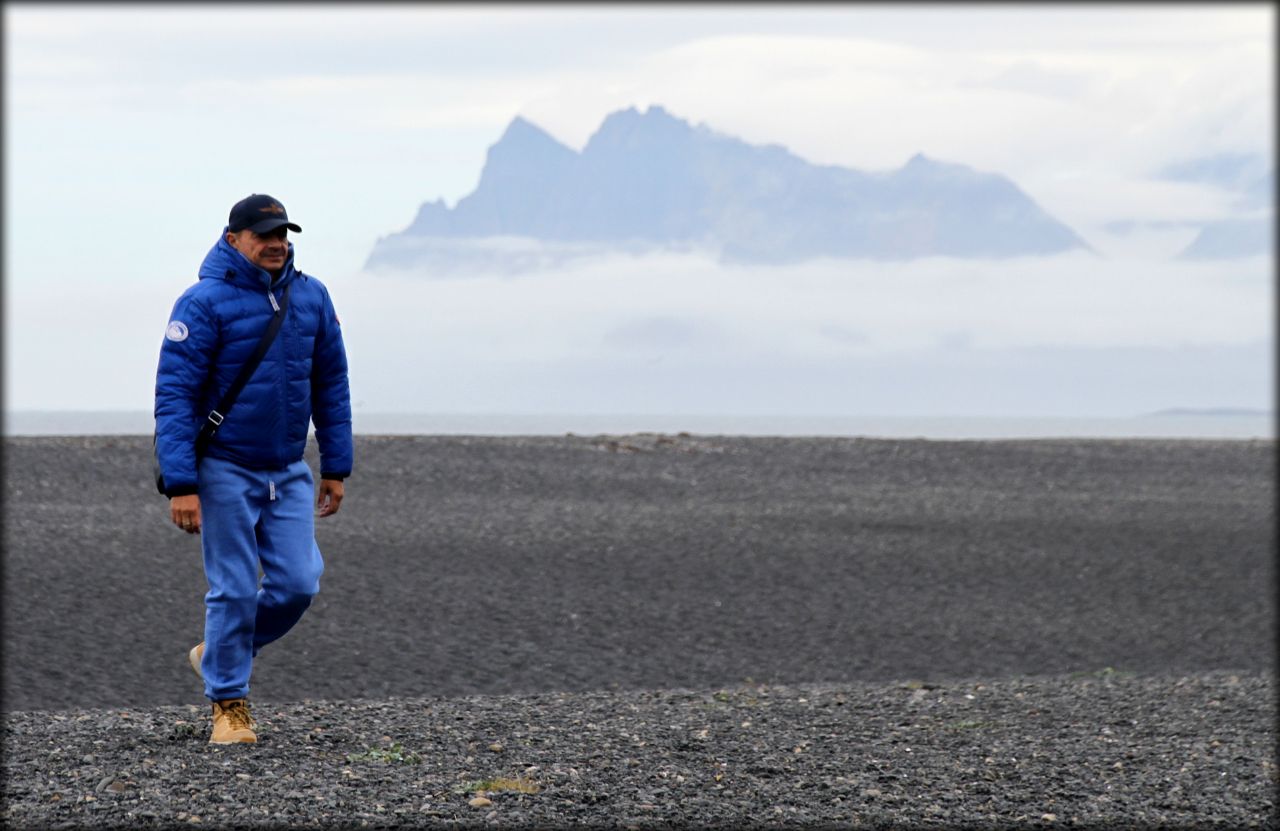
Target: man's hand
(330, 497)
(185, 512)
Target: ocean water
(1247, 425)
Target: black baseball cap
(259, 213)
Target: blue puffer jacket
(213, 330)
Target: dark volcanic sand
(462, 566)
(507, 565)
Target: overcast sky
(130, 131)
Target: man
(249, 495)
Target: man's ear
(231, 239)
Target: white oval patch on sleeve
(177, 330)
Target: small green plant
(184, 730)
(732, 698)
(968, 724)
(394, 753)
(519, 785)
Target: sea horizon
(1182, 423)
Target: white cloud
(1032, 77)
(621, 304)
(679, 309)
(377, 103)
(681, 333)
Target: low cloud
(1075, 299)
(609, 332)
(1068, 335)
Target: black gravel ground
(1109, 605)
(1106, 751)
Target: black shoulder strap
(216, 415)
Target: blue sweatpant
(251, 519)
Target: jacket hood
(226, 263)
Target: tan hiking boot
(232, 722)
(194, 657)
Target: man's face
(267, 251)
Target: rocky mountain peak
(630, 129)
(649, 179)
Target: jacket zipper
(284, 382)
